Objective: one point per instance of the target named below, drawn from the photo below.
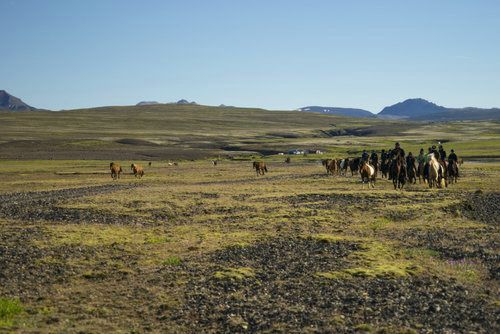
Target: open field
(202, 248)
(193, 132)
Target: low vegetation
(197, 247)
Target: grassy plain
(197, 247)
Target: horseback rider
(442, 153)
(397, 151)
(374, 159)
(383, 156)
(426, 161)
(364, 156)
(453, 157)
(435, 152)
(409, 159)
(421, 157)
(394, 155)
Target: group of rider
(390, 155)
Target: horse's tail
(265, 168)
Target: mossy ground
(112, 275)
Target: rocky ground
(197, 251)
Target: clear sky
(276, 54)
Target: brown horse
(384, 167)
(260, 167)
(354, 165)
(411, 171)
(367, 172)
(116, 169)
(398, 172)
(332, 167)
(137, 170)
(420, 172)
(453, 171)
(288, 160)
(325, 163)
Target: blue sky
(64, 54)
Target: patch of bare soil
(481, 244)
(43, 205)
(484, 207)
(350, 202)
(284, 294)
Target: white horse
(436, 172)
(342, 167)
(367, 172)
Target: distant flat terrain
(159, 132)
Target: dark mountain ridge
(12, 103)
(421, 109)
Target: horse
(344, 163)
(453, 171)
(384, 167)
(367, 172)
(332, 167)
(420, 171)
(149, 164)
(398, 172)
(116, 169)
(214, 162)
(325, 163)
(260, 167)
(411, 171)
(436, 172)
(137, 170)
(287, 160)
(354, 165)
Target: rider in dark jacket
(397, 151)
(364, 156)
(394, 154)
(442, 153)
(374, 158)
(452, 157)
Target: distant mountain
(411, 108)
(351, 112)
(147, 103)
(12, 103)
(183, 101)
(420, 109)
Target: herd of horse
(436, 173)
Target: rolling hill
(349, 112)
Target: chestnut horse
(137, 170)
(398, 172)
(411, 171)
(453, 171)
(354, 165)
(260, 167)
(116, 169)
(367, 172)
